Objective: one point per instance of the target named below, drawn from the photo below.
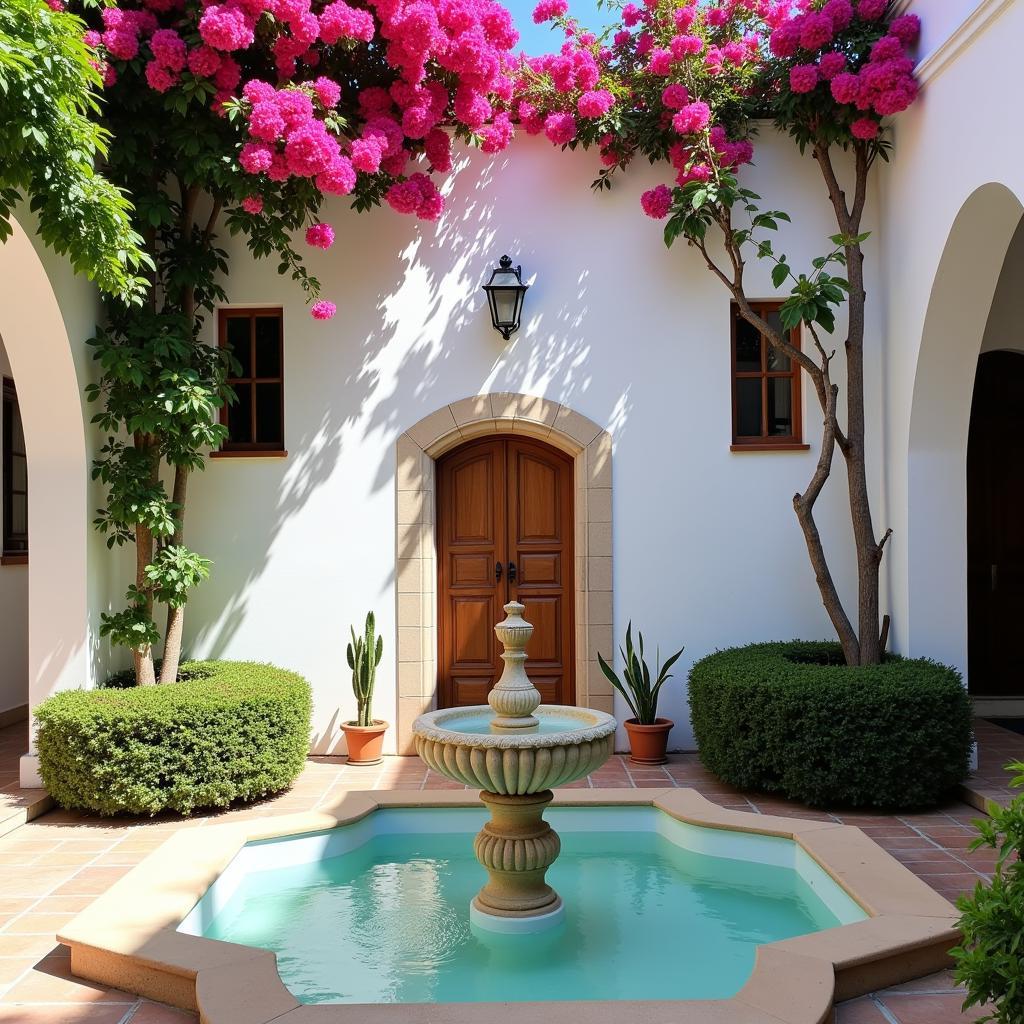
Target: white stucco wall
(13, 611)
(707, 550)
(949, 216)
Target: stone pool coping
(127, 937)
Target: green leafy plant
(636, 686)
(226, 732)
(50, 145)
(990, 959)
(364, 654)
(793, 718)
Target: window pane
(17, 442)
(19, 473)
(268, 413)
(748, 346)
(240, 415)
(268, 346)
(748, 407)
(780, 406)
(238, 343)
(19, 514)
(775, 359)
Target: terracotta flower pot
(647, 743)
(365, 742)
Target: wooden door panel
(473, 641)
(540, 568)
(995, 527)
(471, 532)
(504, 500)
(541, 515)
(545, 650)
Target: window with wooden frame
(14, 472)
(765, 386)
(255, 422)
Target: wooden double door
(504, 532)
(995, 527)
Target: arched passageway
(957, 319)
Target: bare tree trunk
(145, 673)
(869, 550)
(175, 615)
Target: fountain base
(516, 847)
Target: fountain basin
(129, 937)
(567, 744)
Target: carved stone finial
(514, 698)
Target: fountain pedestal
(516, 847)
(524, 751)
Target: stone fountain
(517, 750)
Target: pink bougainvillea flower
(693, 118)
(323, 310)
(320, 235)
(675, 96)
(864, 128)
(596, 103)
(253, 204)
(803, 78)
(656, 202)
(560, 128)
(548, 9)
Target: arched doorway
(589, 448)
(977, 259)
(995, 529)
(504, 533)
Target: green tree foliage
(990, 960)
(50, 144)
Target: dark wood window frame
(252, 449)
(15, 545)
(765, 442)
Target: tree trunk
(175, 615)
(145, 673)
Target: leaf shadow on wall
(412, 335)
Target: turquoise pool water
(388, 920)
(547, 725)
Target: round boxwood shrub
(228, 731)
(792, 718)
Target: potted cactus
(648, 734)
(364, 736)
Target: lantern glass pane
(505, 305)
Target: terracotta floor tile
(91, 881)
(37, 924)
(63, 1013)
(26, 945)
(157, 1013)
(860, 1011)
(944, 981)
(51, 981)
(931, 1009)
(12, 967)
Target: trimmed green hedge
(230, 731)
(791, 718)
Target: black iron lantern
(505, 293)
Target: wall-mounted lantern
(505, 293)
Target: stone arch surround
(417, 450)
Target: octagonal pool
(377, 911)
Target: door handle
(511, 572)
(497, 570)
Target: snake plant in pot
(364, 736)
(648, 734)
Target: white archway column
(954, 328)
(39, 350)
